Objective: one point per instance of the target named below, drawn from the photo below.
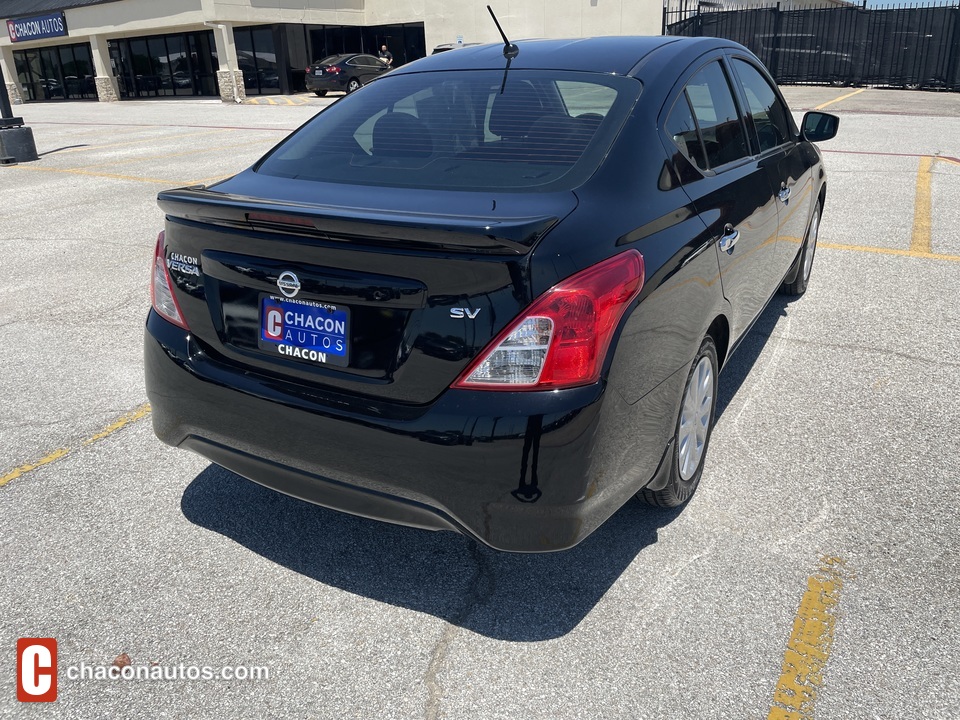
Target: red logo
(36, 669)
(273, 323)
(12, 30)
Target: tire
(799, 285)
(354, 85)
(691, 436)
(320, 93)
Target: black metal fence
(911, 47)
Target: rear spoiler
(516, 235)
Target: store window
(165, 65)
(64, 72)
(257, 57)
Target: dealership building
(56, 50)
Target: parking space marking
(810, 643)
(113, 176)
(24, 469)
(141, 141)
(942, 158)
(163, 125)
(888, 251)
(208, 180)
(922, 220)
(194, 151)
(836, 100)
(921, 233)
(140, 412)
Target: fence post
(775, 54)
(953, 57)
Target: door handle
(729, 238)
(784, 193)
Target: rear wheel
(354, 85)
(799, 284)
(692, 434)
(320, 93)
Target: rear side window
(717, 116)
(459, 131)
(682, 129)
(769, 116)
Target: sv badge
(470, 313)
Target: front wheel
(692, 433)
(354, 85)
(809, 249)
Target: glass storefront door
(165, 65)
(63, 72)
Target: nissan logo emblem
(288, 283)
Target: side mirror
(819, 126)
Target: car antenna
(510, 51)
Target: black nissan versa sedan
(489, 295)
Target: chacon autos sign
(37, 27)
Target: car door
(728, 187)
(776, 137)
(369, 67)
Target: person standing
(386, 56)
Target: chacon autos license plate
(304, 330)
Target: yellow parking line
(208, 180)
(195, 151)
(24, 469)
(809, 646)
(112, 176)
(121, 422)
(889, 251)
(143, 141)
(836, 100)
(920, 237)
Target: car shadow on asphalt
(499, 595)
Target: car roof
(618, 55)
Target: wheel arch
(719, 330)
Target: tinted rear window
(456, 130)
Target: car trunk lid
(391, 300)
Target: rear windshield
(457, 130)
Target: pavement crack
(479, 591)
(867, 349)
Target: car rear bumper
(521, 472)
(324, 82)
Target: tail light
(561, 340)
(307, 70)
(161, 289)
(332, 69)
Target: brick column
(227, 56)
(9, 68)
(107, 88)
(226, 87)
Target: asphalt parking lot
(814, 574)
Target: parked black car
(347, 72)
(485, 298)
